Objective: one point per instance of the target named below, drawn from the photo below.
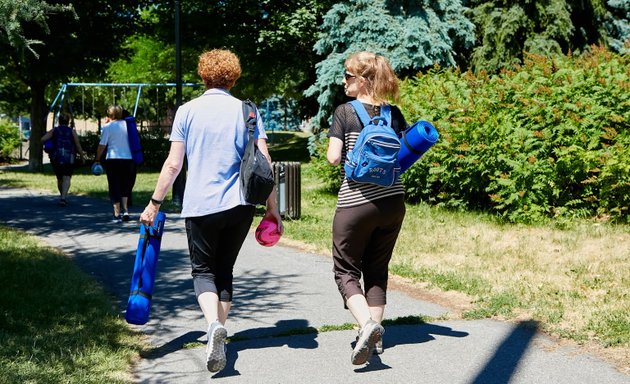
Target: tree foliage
(150, 60)
(412, 35)
(508, 28)
(15, 13)
(14, 16)
(73, 44)
(272, 38)
(617, 25)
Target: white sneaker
(369, 335)
(215, 350)
(378, 347)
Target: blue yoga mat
(144, 268)
(134, 140)
(415, 141)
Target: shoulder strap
(361, 112)
(386, 112)
(249, 115)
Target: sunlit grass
(57, 324)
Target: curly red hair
(219, 68)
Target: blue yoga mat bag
(416, 140)
(141, 292)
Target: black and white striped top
(346, 127)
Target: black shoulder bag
(256, 175)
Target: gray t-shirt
(214, 133)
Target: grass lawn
(573, 281)
(56, 324)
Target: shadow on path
(283, 333)
(174, 345)
(503, 364)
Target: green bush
(9, 138)
(550, 139)
(329, 175)
(89, 143)
(155, 147)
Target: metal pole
(180, 182)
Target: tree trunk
(39, 118)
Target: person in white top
(119, 162)
(210, 131)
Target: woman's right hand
(149, 214)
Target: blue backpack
(374, 158)
(64, 151)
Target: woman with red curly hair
(210, 131)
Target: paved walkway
(278, 290)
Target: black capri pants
(119, 174)
(363, 241)
(214, 242)
(62, 170)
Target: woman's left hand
(274, 215)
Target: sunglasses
(348, 75)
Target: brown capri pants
(363, 240)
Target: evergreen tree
(507, 28)
(617, 25)
(412, 34)
(14, 14)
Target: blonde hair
(219, 68)
(115, 112)
(382, 82)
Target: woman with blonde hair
(119, 165)
(368, 217)
(210, 131)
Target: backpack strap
(249, 115)
(361, 112)
(386, 113)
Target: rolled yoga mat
(134, 140)
(145, 266)
(415, 141)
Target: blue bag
(134, 140)
(64, 150)
(144, 268)
(49, 147)
(417, 139)
(374, 158)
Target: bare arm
(272, 205)
(333, 155)
(171, 168)
(77, 143)
(47, 135)
(99, 152)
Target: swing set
(119, 96)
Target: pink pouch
(267, 233)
